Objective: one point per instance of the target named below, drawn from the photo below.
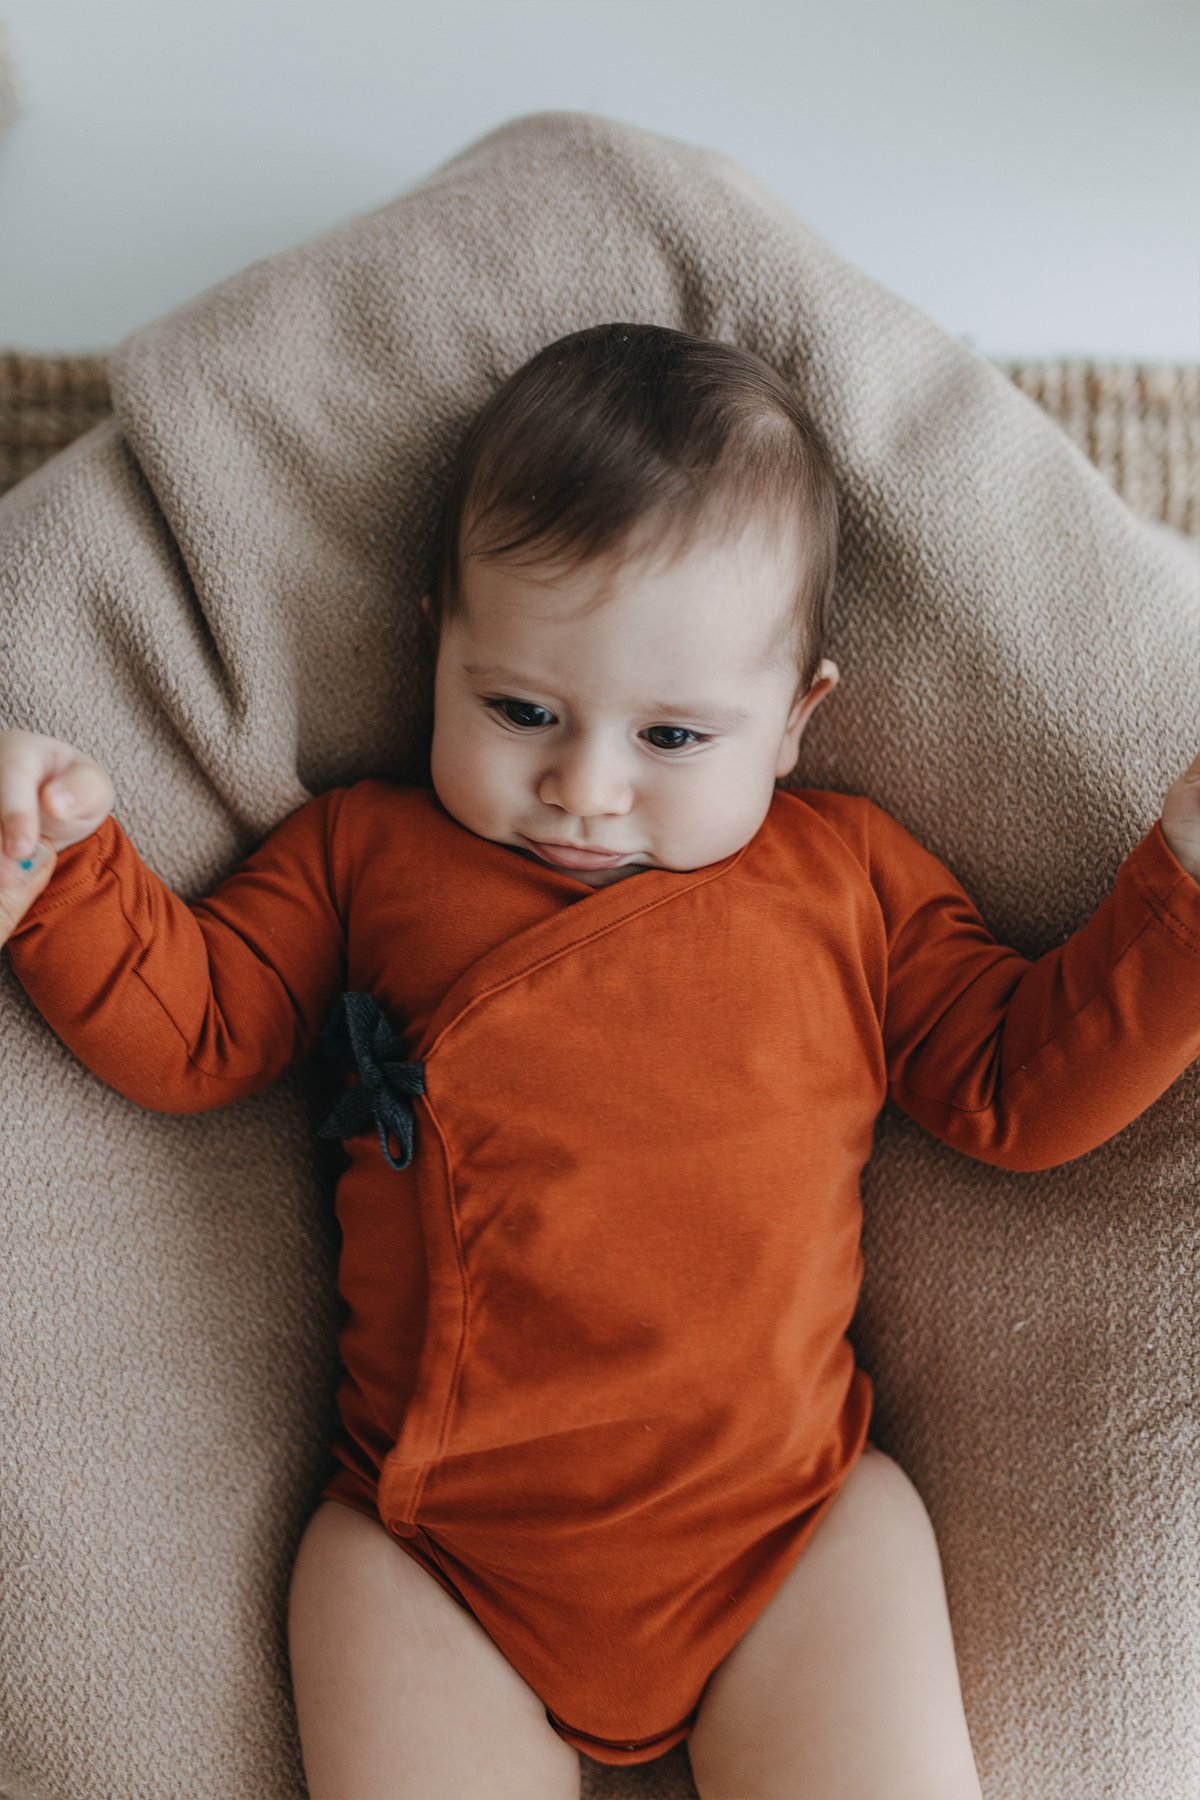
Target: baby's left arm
(1030, 1063)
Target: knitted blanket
(214, 593)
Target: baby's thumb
(83, 796)
(19, 888)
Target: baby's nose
(587, 783)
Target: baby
(602, 1481)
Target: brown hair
(619, 437)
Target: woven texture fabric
(214, 592)
(1139, 423)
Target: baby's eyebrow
(728, 715)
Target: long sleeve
(182, 1007)
(1026, 1064)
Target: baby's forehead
(720, 604)
(745, 640)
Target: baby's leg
(846, 1685)
(400, 1694)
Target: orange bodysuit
(601, 1214)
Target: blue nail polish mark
(27, 863)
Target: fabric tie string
(359, 1036)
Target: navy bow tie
(359, 1036)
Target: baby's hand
(48, 792)
(1181, 818)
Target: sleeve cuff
(1168, 889)
(76, 870)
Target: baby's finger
(60, 798)
(20, 833)
(19, 805)
(19, 889)
(80, 792)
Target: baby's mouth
(574, 856)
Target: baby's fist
(48, 789)
(1181, 818)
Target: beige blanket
(215, 594)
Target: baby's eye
(677, 731)
(680, 733)
(522, 706)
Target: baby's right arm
(179, 1007)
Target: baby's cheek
(450, 773)
(468, 783)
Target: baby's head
(637, 554)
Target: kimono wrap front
(601, 1213)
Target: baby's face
(651, 728)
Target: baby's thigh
(846, 1684)
(401, 1693)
